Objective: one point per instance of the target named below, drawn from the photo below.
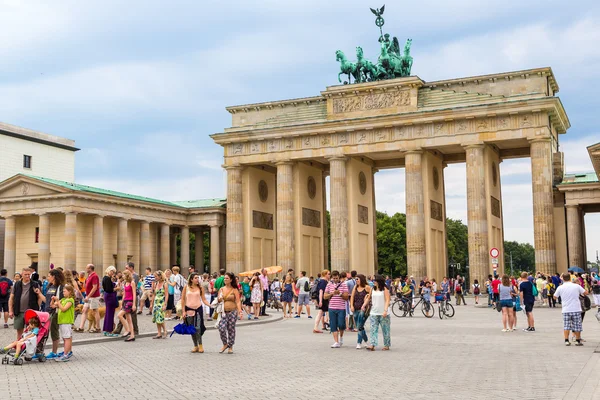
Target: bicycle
(444, 307)
(403, 307)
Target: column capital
(213, 225)
(232, 166)
(284, 162)
(337, 157)
(540, 139)
(474, 146)
(70, 212)
(572, 206)
(415, 151)
(123, 218)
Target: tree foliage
(523, 257)
(391, 243)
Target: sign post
(494, 253)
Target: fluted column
(199, 250)
(479, 259)
(10, 245)
(44, 244)
(574, 236)
(375, 255)
(185, 248)
(543, 216)
(122, 243)
(325, 226)
(173, 248)
(340, 251)
(214, 248)
(144, 245)
(70, 241)
(285, 215)
(235, 223)
(98, 243)
(415, 215)
(165, 246)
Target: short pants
(127, 306)
(65, 331)
(572, 321)
(19, 321)
(506, 303)
(94, 303)
(528, 307)
(337, 320)
(304, 299)
(54, 332)
(3, 306)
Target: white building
(23, 151)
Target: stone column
(44, 245)
(340, 251)
(222, 246)
(185, 248)
(122, 243)
(199, 250)
(98, 243)
(479, 259)
(574, 236)
(235, 223)
(173, 248)
(165, 246)
(325, 226)
(214, 248)
(2, 228)
(285, 215)
(415, 215)
(10, 245)
(144, 246)
(376, 262)
(543, 216)
(70, 241)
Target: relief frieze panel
(372, 101)
(363, 214)
(436, 210)
(262, 220)
(495, 205)
(311, 218)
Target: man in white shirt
(569, 293)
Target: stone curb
(103, 338)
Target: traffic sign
(494, 252)
(495, 261)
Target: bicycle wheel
(441, 311)
(427, 309)
(449, 310)
(398, 309)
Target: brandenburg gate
(277, 155)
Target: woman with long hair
(358, 304)
(506, 293)
(128, 306)
(380, 300)
(192, 298)
(229, 295)
(205, 283)
(287, 296)
(110, 301)
(70, 280)
(169, 278)
(159, 304)
(257, 294)
(56, 283)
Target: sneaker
(567, 343)
(341, 340)
(51, 356)
(336, 345)
(309, 317)
(5, 326)
(64, 358)
(532, 329)
(358, 347)
(578, 343)
(526, 329)
(297, 316)
(505, 330)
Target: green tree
(523, 257)
(391, 243)
(457, 239)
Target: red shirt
(91, 281)
(495, 284)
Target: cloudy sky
(141, 84)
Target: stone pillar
(222, 246)
(173, 249)
(165, 246)
(199, 250)
(285, 215)
(98, 243)
(543, 217)
(574, 236)
(325, 226)
(144, 246)
(185, 248)
(70, 241)
(122, 243)
(340, 252)
(10, 245)
(44, 245)
(215, 259)
(376, 262)
(415, 215)
(479, 259)
(2, 228)
(235, 223)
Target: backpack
(4, 288)
(314, 292)
(552, 290)
(476, 290)
(306, 286)
(534, 289)
(458, 288)
(586, 303)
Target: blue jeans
(337, 320)
(359, 320)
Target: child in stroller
(32, 341)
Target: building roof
(589, 177)
(189, 204)
(37, 137)
(594, 152)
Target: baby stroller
(274, 301)
(27, 353)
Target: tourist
(337, 294)
(229, 295)
(170, 280)
(70, 280)
(264, 280)
(287, 296)
(351, 283)
(56, 282)
(257, 294)
(476, 291)
(192, 298)
(220, 281)
(16, 277)
(159, 304)
(110, 301)
(246, 296)
(571, 308)
(458, 291)
(527, 300)
(65, 319)
(179, 284)
(322, 302)
(91, 300)
(550, 290)
(495, 291)
(595, 292)
(296, 292)
(5, 288)
(380, 303)
(130, 267)
(148, 289)
(24, 293)
(27, 338)
(128, 307)
(543, 292)
(358, 305)
(205, 283)
(506, 292)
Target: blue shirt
(527, 289)
(556, 281)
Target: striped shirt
(148, 281)
(336, 302)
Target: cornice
(274, 104)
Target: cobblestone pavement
(465, 357)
